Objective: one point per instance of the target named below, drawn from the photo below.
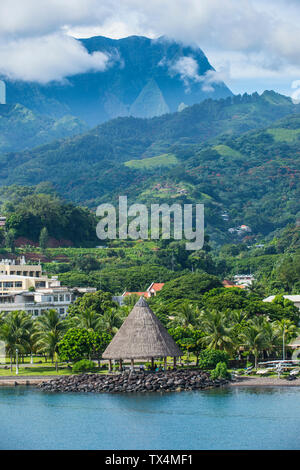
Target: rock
(133, 382)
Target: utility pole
(283, 341)
(17, 362)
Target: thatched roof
(142, 336)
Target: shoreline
(25, 380)
(241, 381)
(253, 381)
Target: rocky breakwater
(169, 381)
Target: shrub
(83, 366)
(209, 358)
(220, 372)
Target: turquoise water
(229, 418)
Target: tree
(131, 300)
(98, 301)
(44, 238)
(10, 240)
(76, 344)
(16, 331)
(185, 315)
(189, 286)
(49, 330)
(110, 321)
(285, 331)
(85, 263)
(100, 341)
(255, 338)
(88, 319)
(217, 332)
(79, 343)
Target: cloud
(188, 70)
(47, 58)
(254, 36)
(186, 67)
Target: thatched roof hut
(142, 336)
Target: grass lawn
(40, 371)
(36, 360)
(33, 371)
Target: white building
(293, 298)
(244, 279)
(32, 292)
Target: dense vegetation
(21, 128)
(239, 156)
(207, 328)
(35, 217)
(206, 156)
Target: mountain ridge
(95, 97)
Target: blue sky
(253, 45)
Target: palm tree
(285, 330)
(271, 335)
(88, 318)
(110, 321)
(255, 337)
(185, 315)
(49, 330)
(238, 321)
(16, 331)
(217, 331)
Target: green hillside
(21, 128)
(161, 161)
(225, 154)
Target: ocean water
(228, 418)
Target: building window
(61, 311)
(41, 284)
(61, 298)
(18, 284)
(36, 312)
(67, 297)
(8, 284)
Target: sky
(253, 44)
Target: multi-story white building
(34, 293)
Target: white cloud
(186, 67)
(47, 58)
(188, 70)
(255, 36)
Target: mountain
(21, 128)
(144, 78)
(239, 156)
